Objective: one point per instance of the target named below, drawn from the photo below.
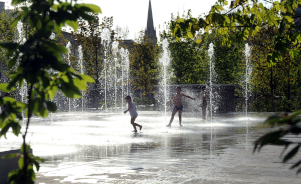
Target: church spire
(150, 31)
(150, 22)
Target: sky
(133, 13)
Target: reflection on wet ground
(100, 148)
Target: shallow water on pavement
(96, 147)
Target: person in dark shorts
(203, 98)
(178, 105)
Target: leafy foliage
(244, 19)
(275, 37)
(40, 65)
(280, 79)
(290, 125)
(229, 62)
(88, 37)
(6, 34)
(144, 65)
(189, 62)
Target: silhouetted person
(207, 92)
(178, 105)
(203, 97)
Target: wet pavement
(96, 147)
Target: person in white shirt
(133, 113)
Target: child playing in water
(178, 105)
(203, 97)
(133, 113)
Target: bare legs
(135, 124)
(173, 115)
(204, 108)
(180, 117)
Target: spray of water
(23, 91)
(247, 81)
(248, 74)
(115, 45)
(105, 41)
(52, 36)
(80, 63)
(127, 65)
(68, 46)
(210, 53)
(165, 59)
(123, 67)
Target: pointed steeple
(150, 22)
(150, 31)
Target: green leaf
(4, 87)
(21, 162)
(289, 19)
(40, 109)
(291, 154)
(5, 128)
(13, 155)
(14, 175)
(16, 128)
(296, 164)
(12, 62)
(55, 6)
(268, 139)
(39, 24)
(15, 22)
(27, 148)
(57, 29)
(94, 8)
(9, 45)
(52, 92)
(37, 165)
(16, 2)
(281, 143)
(299, 170)
(72, 24)
(51, 106)
(295, 114)
(87, 78)
(80, 84)
(70, 91)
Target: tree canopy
(244, 18)
(40, 67)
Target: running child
(178, 105)
(133, 113)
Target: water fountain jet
(127, 64)
(122, 54)
(248, 73)
(115, 45)
(68, 46)
(80, 62)
(210, 53)
(165, 61)
(105, 41)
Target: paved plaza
(99, 147)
